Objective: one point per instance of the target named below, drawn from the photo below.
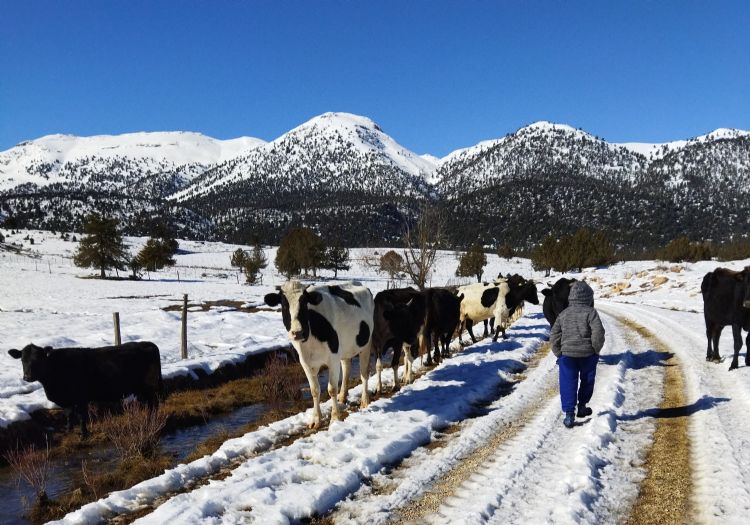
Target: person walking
(576, 339)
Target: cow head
(405, 319)
(35, 361)
(294, 299)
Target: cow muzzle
(297, 336)
(746, 304)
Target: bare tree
(421, 244)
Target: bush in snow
(32, 466)
(137, 431)
(301, 249)
(684, 250)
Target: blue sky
(435, 75)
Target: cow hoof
(314, 425)
(342, 400)
(363, 404)
(733, 366)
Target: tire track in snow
(719, 425)
(414, 481)
(664, 497)
(590, 474)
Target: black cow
(556, 299)
(74, 377)
(726, 301)
(404, 325)
(443, 316)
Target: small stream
(65, 471)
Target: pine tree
(252, 264)
(102, 247)
(238, 258)
(472, 263)
(336, 258)
(157, 253)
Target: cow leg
(378, 374)
(333, 385)
(446, 341)
(469, 326)
(70, 416)
(709, 338)
(346, 366)
(312, 380)
(747, 350)
(408, 364)
(461, 327)
(364, 375)
(83, 413)
(436, 344)
(716, 336)
(425, 347)
(395, 362)
(486, 332)
(737, 334)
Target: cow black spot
(286, 316)
(490, 296)
(364, 334)
(346, 295)
(322, 330)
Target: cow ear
(15, 354)
(314, 298)
(546, 292)
(461, 297)
(272, 299)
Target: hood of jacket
(581, 294)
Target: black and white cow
(399, 325)
(328, 326)
(520, 291)
(480, 301)
(726, 302)
(556, 299)
(74, 377)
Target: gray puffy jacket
(578, 331)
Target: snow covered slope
(341, 150)
(63, 158)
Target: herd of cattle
(345, 321)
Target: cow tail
(706, 284)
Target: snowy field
(494, 401)
(46, 300)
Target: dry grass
(136, 431)
(280, 383)
(664, 497)
(32, 466)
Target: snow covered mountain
(335, 166)
(551, 178)
(67, 158)
(343, 175)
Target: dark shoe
(584, 411)
(569, 420)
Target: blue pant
(570, 369)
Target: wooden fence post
(183, 346)
(116, 321)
